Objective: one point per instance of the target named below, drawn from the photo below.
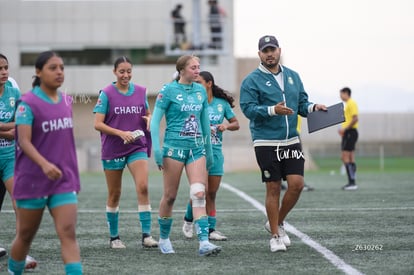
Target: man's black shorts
(349, 140)
(276, 162)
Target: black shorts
(349, 140)
(277, 162)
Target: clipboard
(322, 119)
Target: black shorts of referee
(349, 140)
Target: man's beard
(269, 66)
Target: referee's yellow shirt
(351, 109)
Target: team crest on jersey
(199, 96)
(12, 101)
(290, 80)
(220, 108)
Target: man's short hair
(346, 90)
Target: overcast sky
(367, 45)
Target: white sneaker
(31, 263)
(350, 187)
(165, 246)
(207, 249)
(3, 252)
(276, 244)
(217, 236)
(188, 229)
(149, 242)
(117, 243)
(283, 236)
(282, 233)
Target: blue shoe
(207, 249)
(165, 246)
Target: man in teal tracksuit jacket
(272, 97)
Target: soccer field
(368, 231)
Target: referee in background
(349, 134)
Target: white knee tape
(197, 188)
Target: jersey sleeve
(228, 112)
(162, 100)
(353, 109)
(147, 107)
(24, 115)
(102, 104)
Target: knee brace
(197, 188)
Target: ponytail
(36, 81)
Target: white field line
(329, 255)
(368, 209)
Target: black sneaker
(350, 187)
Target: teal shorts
(185, 156)
(6, 169)
(120, 163)
(51, 201)
(217, 168)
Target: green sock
(211, 223)
(16, 267)
(145, 219)
(112, 219)
(73, 268)
(189, 213)
(165, 226)
(201, 225)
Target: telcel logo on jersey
(57, 124)
(191, 107)
(214, 117)
(5, 115)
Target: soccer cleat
(116, 244)
(216, 236)
(276, 244)
(283, 236)
(30, 264)
(207, 249)
(165, 246)
(188, 229)
(350, 187)
(307, 188)
(149, 242)
(3, 252)
(282, 233)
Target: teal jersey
(24, 115)
(7, 111)
(102, 105)
(260, 90)
(218, 110)
(183, 106)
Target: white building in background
(90, 35)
